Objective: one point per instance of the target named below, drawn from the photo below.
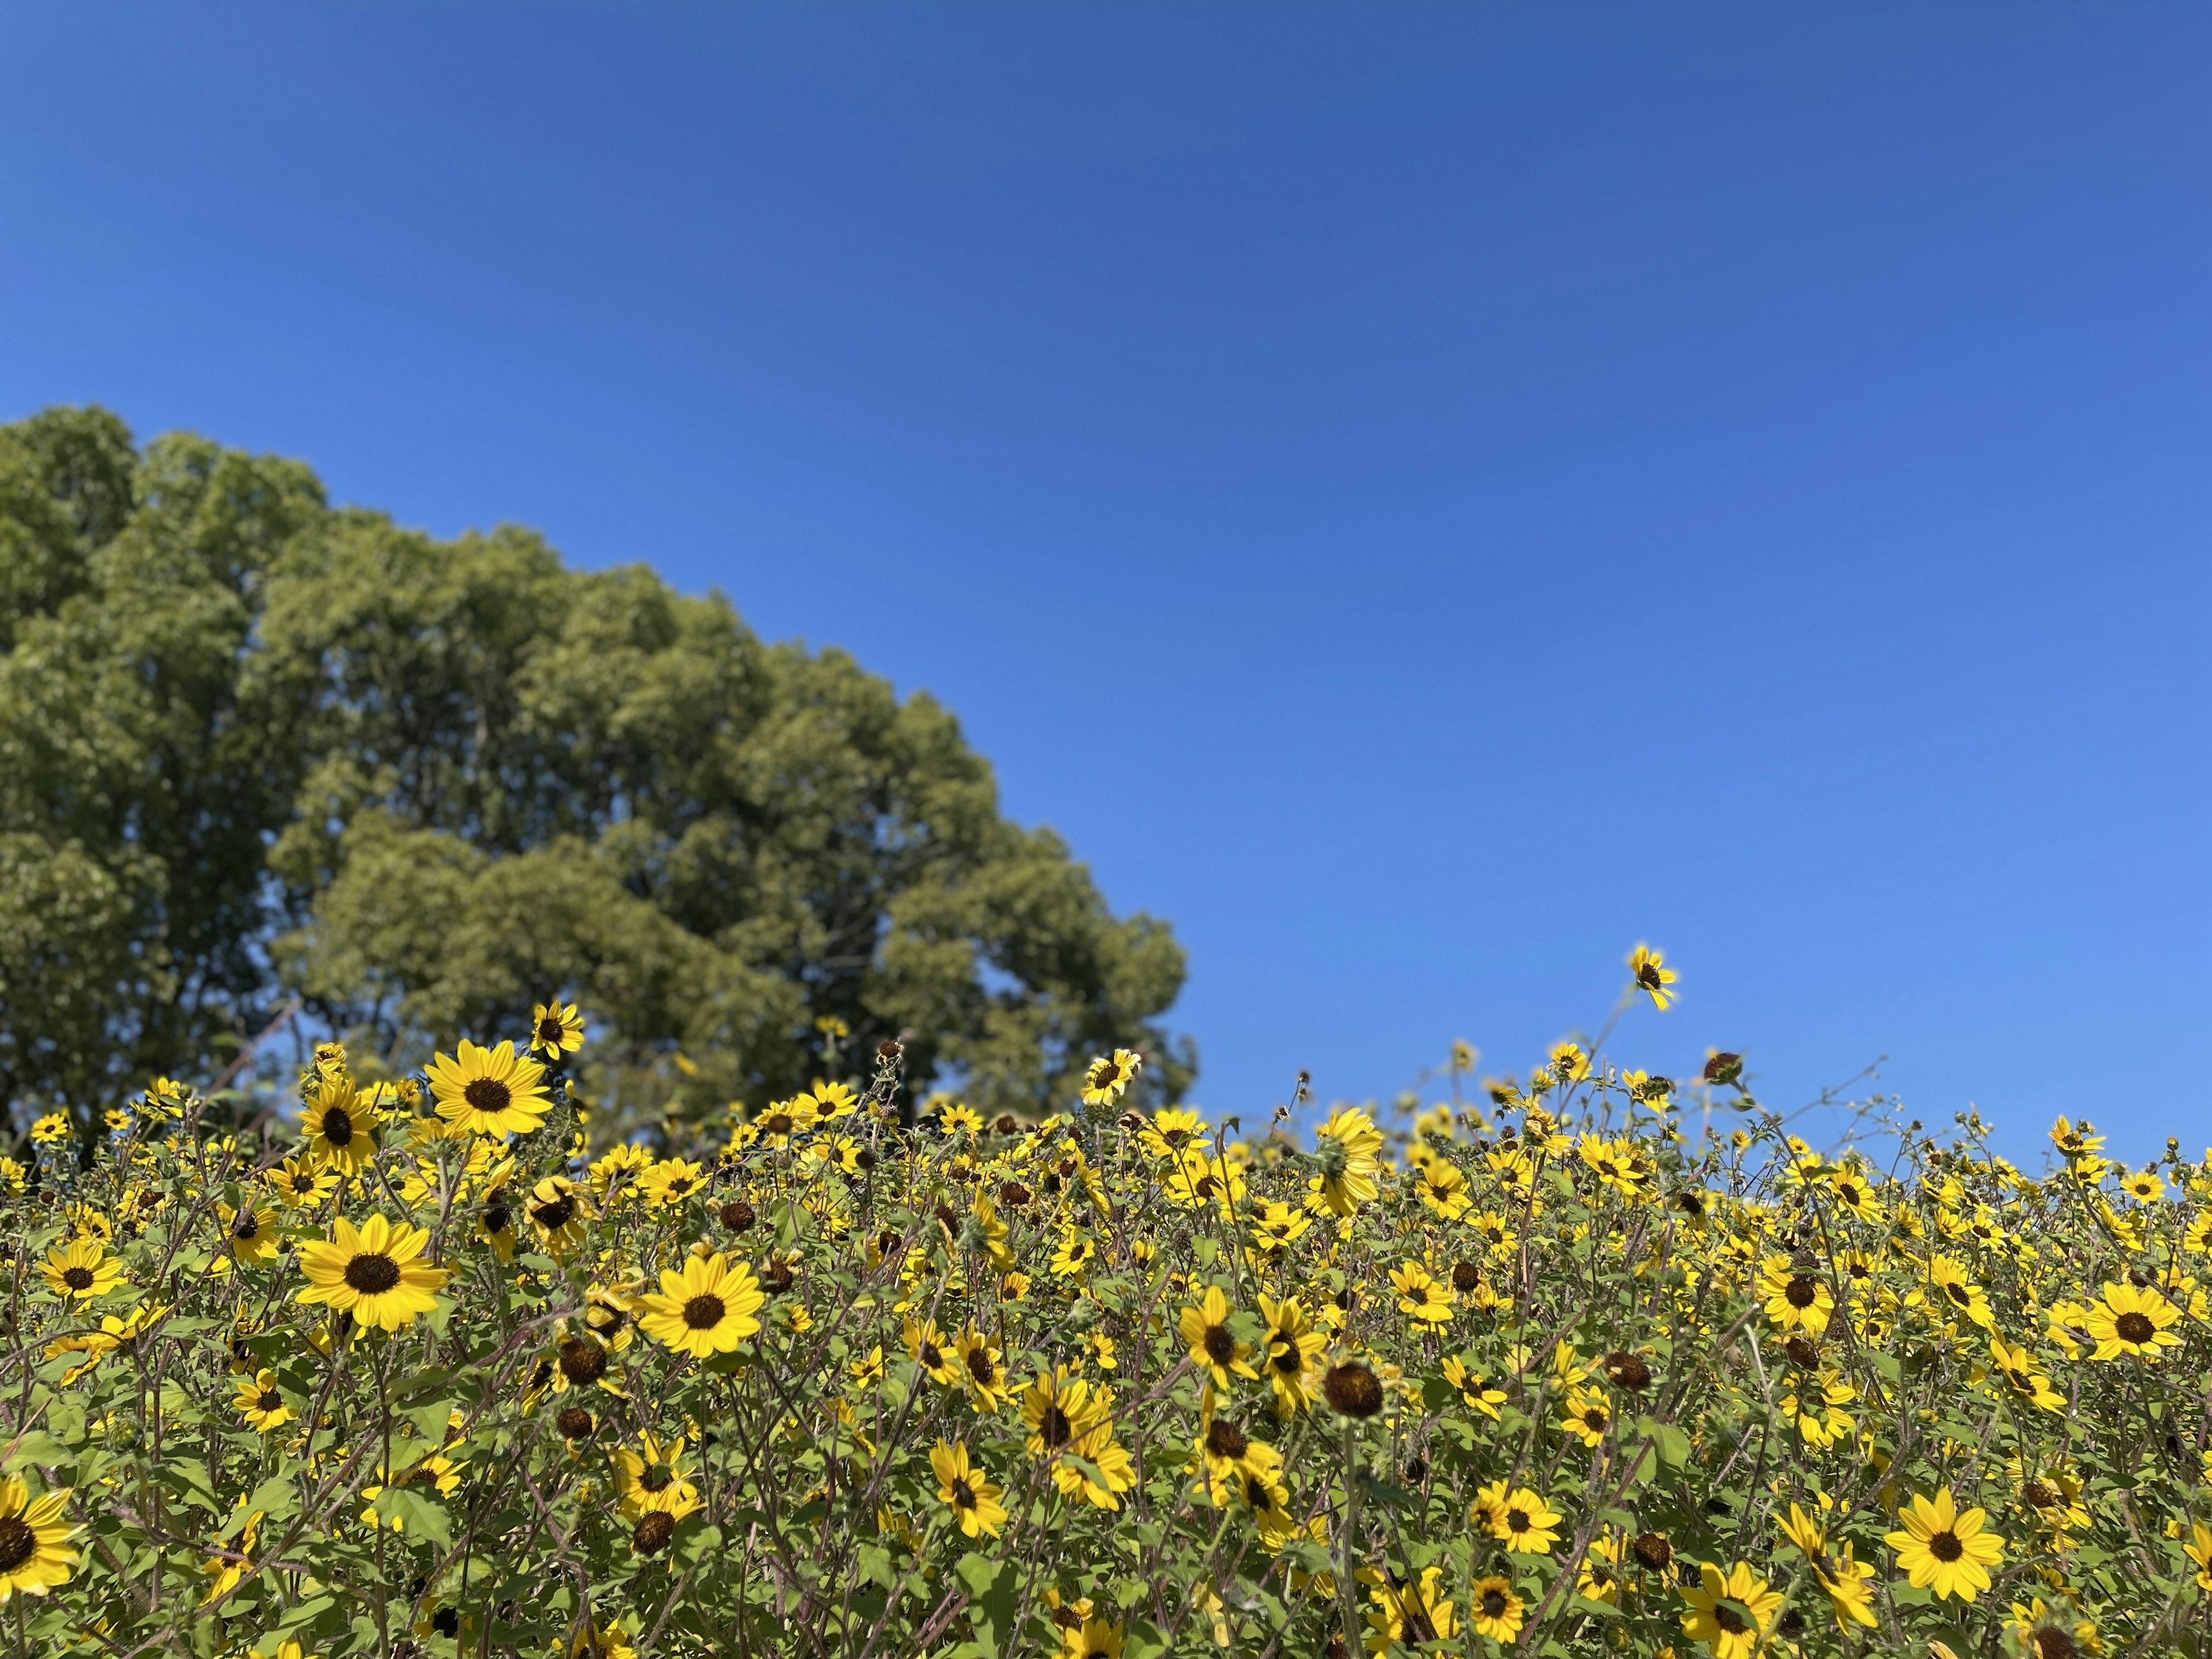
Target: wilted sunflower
(261, 1402)
(34, 1552)
(372, 1273)
(706, 1308)
(338, 1125)
(555, 1029)
(80, 1270)
(490, 1092)
(968, 1492)
(1943, 1550)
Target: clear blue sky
(1423, 497)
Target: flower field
(1582, 1361)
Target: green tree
(252, 746)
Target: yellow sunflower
(1729, 1613)
(927, 1346)
(1203, 1329)
(1346, 1148)
(1943, 1550)
(671, 1181)
(1421, 1297)
(80, 1270)
(1519, 1518)
(1952, 1289)
(1103, 1080)
(34, 1552)
(490, 1092)
(654, 1479)
(1293, 1344)
(967, 1490)
(1409, 1611)
(2131, 1320)
(979, 1368)
(707, 1309)
(250, 1232)
(1494, 1610)
(1796, 1298)
(555, 1029)
(558, 1208)
(299, 1183)
(261, 1403)
(339, 1126)
(372, 1273)
(1649, 973)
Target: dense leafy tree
(252, 746)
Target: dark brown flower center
(1801, 1291)
(338, 1126)
(555, 1215)
(18, 1543)
(963, 1495)
(932, 1360)
(1516, 1520)
(248, 1225)
(268, 1400)
(980, 1366)
(583, 1360)
(1054, 1428)
(372, 1274)
(488, 1094)
(1104, 1074)
(1944, 1545)
(1225, 1439)
(704, 1311)
(2135, 1327)
(1628, 1370)
(1220, 1346)
(2049, 1642)
(1959, 1294)
(1493, 1603)
(778, 1123)
(575, 1423)
(1653, 1550)
(654, 1528)
(1729, 1620)
(1352, 1389)
(1465, 1276)
(549, 1031)
(496, 1218)
(2038, 1495)
(78, 1278)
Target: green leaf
(33, 1447)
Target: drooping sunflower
(372, 1273)
(490, 1092)
(262, 1403)
(967, 1490)
(1494, 1610)
(80, 1270)
(34, 1552)
(1649, 972)
(707, 1309)
(1103, 1080)
(1421, 1297)
(1204, 1327)
(555, 1029)
(1943, 1550)
(338, 1125)
(2126, 1320)
(1730, 1611)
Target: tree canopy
(254, 747)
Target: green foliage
(251, 745)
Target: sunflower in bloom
(1169, 1133)
(706, 1308)
(34, 1552)
(558, 1208)
(1567, 1064)
(1796, 1298)
(2018, 1367)
(261, 1403)
(1494, 1609)
(301, 1184)
(339, 1126)
(927, 1348)
(1587, 1415)
(1730, 1613)
(490, 1092)
(967, 1490)
(1648, 970)
(1421, 1297)
(80, 1270)
(1414, 1610)
(1817, 1411)
(1073, 1256)
(671, 1181)
(982, 1370)
(1518, 1518)
(2198, 1549)
(1943, 1550)
(1103, 1080)
(372, 1273)
(655, 1479)
(555, 1029)
(1346, 1148)
(1293, 1344)
(1067, 1419)
(1442, 1187)
(1474, 1388)
(2126, 1320)
(1613, 1162)
(2143, 1186)
(1091, 1639)
(1205, 1331)
(249, 1231)
(1952, 1288)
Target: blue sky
(1422, 497)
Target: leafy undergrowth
(1563, 1369)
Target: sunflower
(372, 1273)
(80, 1270)
(1103, 1080)
(1168, 1132)
(1524, 1521)
(1587, 1416)
(1421, 1297)
(1796, 1298)
(490, 1092)
(980, 1369)
(1409, 1611)
(1649, 973)
(1205, 1331)
(1072, 1424)
(1850, 1592)
(1944, 1551)
(1073, 1256)
(2198, 1549)
(558, 1208)
(250, 1232)
(1293, 1343)
(2131, 1320)
(34, 1552)
(1443, 1189)
(968, 1492)
(1730, 1611)
(1849, 1190)
(2017, 1366)
(261, 1403)
(671, 1181)
(707, 1309)
(1817, 1411)
(299, 1184)
(1093, 1638)
(2143, 1186)
(1277, 1227)
(1473, 1389)
(555, 1029)
(655, 1480)
(927, 1346)
(1346, 1147)
(1614, 1164)
(339, 1126)
(1952, 1288)
(1494, 1610)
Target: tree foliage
(252, 745)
